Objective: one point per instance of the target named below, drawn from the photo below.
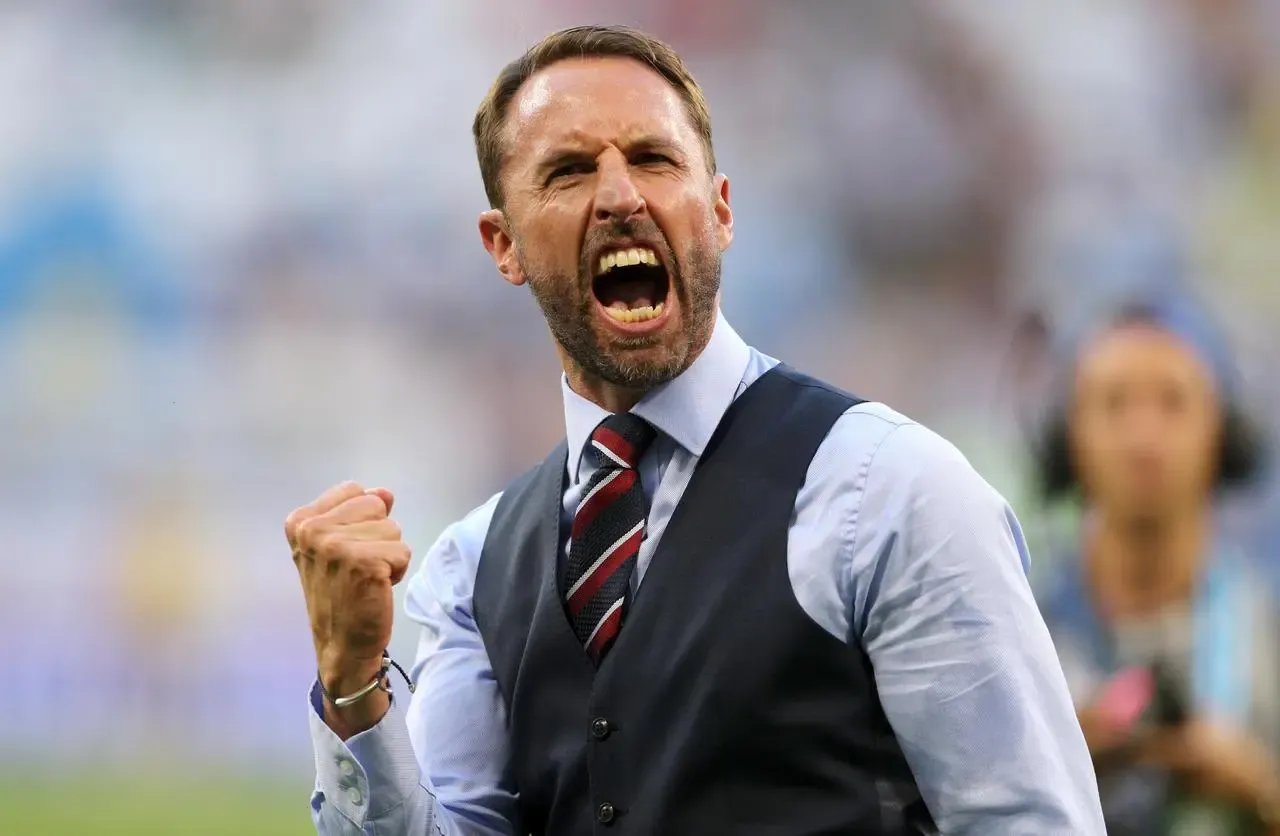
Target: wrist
(349, 680)
(358, 717)
(342, 674)
(357, 694)
(343, 679)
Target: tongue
(627, 294)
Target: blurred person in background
(1165, 636)
(836, 632)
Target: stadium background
(238, 262)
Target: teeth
(635, 314)
(626, 258)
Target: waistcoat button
(605, 813)
(600, 728)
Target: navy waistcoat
(722, 708)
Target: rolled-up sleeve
(966, 670)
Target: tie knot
(621, 440)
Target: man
(734, 601)
(1164, 629)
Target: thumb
(387, 497)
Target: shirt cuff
(369, 774)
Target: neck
(614, 397)
(1139, 565)
(607, 396)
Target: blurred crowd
(238, 262)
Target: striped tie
(607, 529)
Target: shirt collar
(687, 409)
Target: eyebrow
(647, 142)
(652, 142)
(561, 157)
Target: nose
(617, 198)
(1144, 432)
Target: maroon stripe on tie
(600, 500)
(592, 583)
(605, 633)
(617, 445)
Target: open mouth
(631, 285)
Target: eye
(1173, 400)
(569, 170)
(650, 158)
(1114, 400)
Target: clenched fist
(349, 555)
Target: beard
(567, 303)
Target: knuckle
(308, 531)
(327, 549)
(291, 523)
(334, 547)
(363, 566)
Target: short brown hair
(579, 42)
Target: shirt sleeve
(964, 664)
(439, 766)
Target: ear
(501, 246)
(724, 215)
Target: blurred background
(238, 263)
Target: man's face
(613, 218)
(1145, 424)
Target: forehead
(1146, 351)
(593, 101)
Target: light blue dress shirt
(897, 544)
